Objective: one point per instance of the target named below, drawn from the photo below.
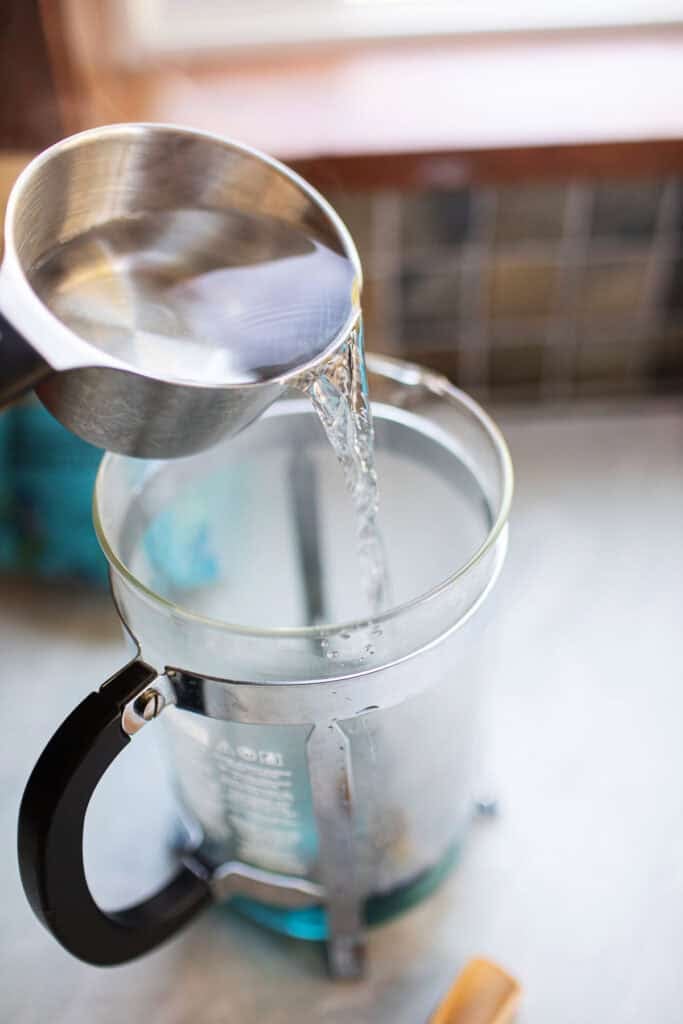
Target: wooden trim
(29, 112)
(447, 170)
(414, 114)
(77, 37)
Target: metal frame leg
(329, 765)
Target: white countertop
(576, 887)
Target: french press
(324, 768)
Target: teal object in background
(46, 481)
(8, 533)
(180, 548)
(47, 476)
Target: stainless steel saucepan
(170, 198)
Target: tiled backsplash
(534, 290)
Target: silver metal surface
(331, 774)
(238, 879)
(147, 705)
(142, 710)
(178, 182)
(379, 820)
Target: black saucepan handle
(21, 368)
(51, 822)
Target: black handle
(51, 822)
(21, 367)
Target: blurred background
(512, 178)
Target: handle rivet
(149, 704)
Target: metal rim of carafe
(25, 297)
(401, 372)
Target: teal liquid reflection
(311, 923)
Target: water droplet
(332, 654)
(324, 643)
(377, 631)
(346, 635)
(369, 649)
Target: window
(158, 27)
